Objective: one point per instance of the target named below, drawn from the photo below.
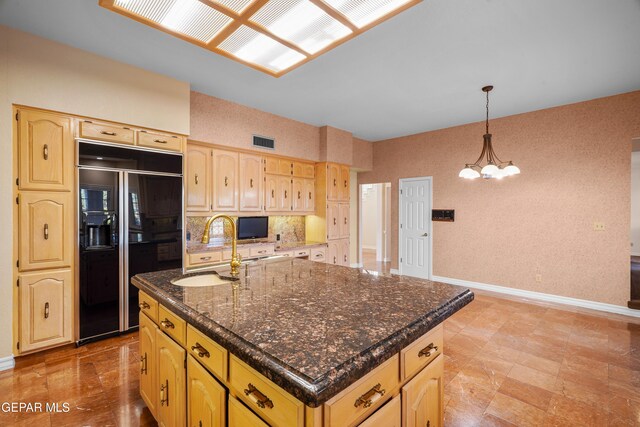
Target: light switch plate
(598, 226)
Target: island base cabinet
(422, 397)
(390, 415)
(170, 359)
(241, 416)
(207, 398)
(148, 366)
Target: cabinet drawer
(363, 397)
(289, 254)
(172, 325)
(207, 352)
(390, 415)
(262, 251)
(318, 254)
(301, 252)
(268, 400)
(420, 352)
(159, 140)
(304, 170)
(148, 306)
(105, 132)
(241, 416)
(244, 253)
(205, 257)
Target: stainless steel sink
(200, 281)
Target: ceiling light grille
(364, 12)
(302, 23)
(238, 6)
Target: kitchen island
(299, 343)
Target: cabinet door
(333, 252)
(422, 397)
(333, 220)
(148, 365)
(343, 184)
(278, 166)
(250, 183)
(298, 195)
(198, 179)
(171, 382)
(241, 416)
(309, 195)
(284, 194)
(45, 309)
(344, 220)
(45, 230)
(333, 178)
(344, 252)
(388, 416)
(271, 193)
(207, 401)
(45, 151)
(225, 180)
(304, 170)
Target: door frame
(400, 215)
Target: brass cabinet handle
(345, 183)
(345, 220)
(285, 194)
(160, 141)
(196, 179)
(45, 151)
(260, 399)
(309, 195)
(427, 350)
(46, 310)
(273, 194)
(335, 182)
(143, 364)
(226, 181)
(166, 323)
(345, 258)
(367, 399)
(46, 231)
(164, 391)
(319, 255)
(251, 183)
(104, 132)
(144, 305)
(298, 195)
(335, 260)
(200, 350)
(335, 221)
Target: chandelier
(493, 167)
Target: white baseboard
(386, 260)
(540, 296)
(356, 265)
(7, 363)
(394, 271)
(367, 247)
(635, 254)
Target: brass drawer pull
(144, 305)
(160, 141)
(226, 181)
(200, 350)
(319, 255)
(205, 258)
(143, 364)
(427, 350)
(260, 399)
(46, 310)
(164, 391)
(104, 132)
(166, 323)
(46, 231)
(370, 397)
(45, 151)
(251, 183)
(196, 179)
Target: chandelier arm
(484, 149)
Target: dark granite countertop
(311, 328)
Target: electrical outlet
(598, 226)
(538, 277)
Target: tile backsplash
(290, 228)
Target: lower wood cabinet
(390, 415)
(206, 397)
(241, 416)
(170, 359)
(45, 309)
(338, 252)
(423, 396)
(148, 366)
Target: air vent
(262, 142)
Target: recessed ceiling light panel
(364, 12)
(256, 48)
(238, 6)
(300, 22)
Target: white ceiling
(419, 71)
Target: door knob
(425, 235)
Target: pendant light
(494, 167)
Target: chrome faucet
(235, 259)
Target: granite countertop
(311, 328)
(291, 246)
(193, 248)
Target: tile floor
(507, 362)
(369, 262)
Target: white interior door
(415, 227)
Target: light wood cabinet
(250, 183)
(344, 252)
(423, 396)
(225, 176)
(333, 220)
(344, 184)
(270, 189)
(278, 166)
(318, 254)
(241, 416)
(45, 309)
(198, 179)
(207, 398)
(45, 151)
(278, 194)
(298, 195)
(45, 230)
(343, 220)
(309, 195)
(148, 366)
(159, 141)
(333, 178)
(109, 132)
(171, 382)
(390, 415)
(303, 170)
(333, 252)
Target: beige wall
(362, 158)
(336, 145)
(217, 121)
(45, 74)
(575, 171)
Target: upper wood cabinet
(171, 382)
(45, 230)
(422, 397)
(45, 151)
(271, 201)
(148, 365)
(207, 398)
(310, 195)
(225, 180)
(304, 170)
(198, 178)
(343, 220)
(283, 194)
(250, 182)
(278, 166)
(160, 141)
(333, 220)
(298, 195)
(333, 179)
(45, 309)
(109, 132)
(343, 184)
